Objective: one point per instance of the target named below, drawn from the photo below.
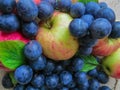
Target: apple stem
(48, 25)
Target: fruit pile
(42, 73)
(57, 44)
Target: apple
(106, 46)
(111, 64)
(74, 1)
(37, 1)
(56, 39)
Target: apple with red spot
(74, 1)
(106, 46)
(111, 64)
(55, 38)
(37, 1)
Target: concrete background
(113, 83)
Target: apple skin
(106, 46)
(74, 1)
(56, 40)
(111, 64)
(37, 1)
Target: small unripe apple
(56, 39)
(111, 64)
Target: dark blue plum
(78, 27)
(84, 86)
(103, 5)
(52, 2)
(59, 68)
(81, 78)
(19, 87)
(50, 67)
(77, 64)
(66, 63)
(102, 77)
(29, 29)
(72, 84)
(52, 81)
(65, 77)
(107, 13)
(64, 88)
(93, 73)
(76, 88)
(100, 28)
(88, 18)
(93, 84)
(77, 10)
(6, 81)
(44, 88)
(115, 33)
(59, 86)
(104, 88)
(98, 59)
(7, 6)
(64, 5)
(92, 8)
(70, 69)
(27, 10)
(38, 80)
(23, 74)
(32, 50)
(45, 10)
(87, 41)
(31, 88)
(38, 64)
(85, 50)
(9, 23)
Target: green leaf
(86, 1)
(11, 54)
(90, 63)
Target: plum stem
(115, 85)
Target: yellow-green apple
(111, 64)
(106, 46)
(56, 39)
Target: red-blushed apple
(106, 46)
(37, 1)
(111, 64)
(55, 37)
(74, 1)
